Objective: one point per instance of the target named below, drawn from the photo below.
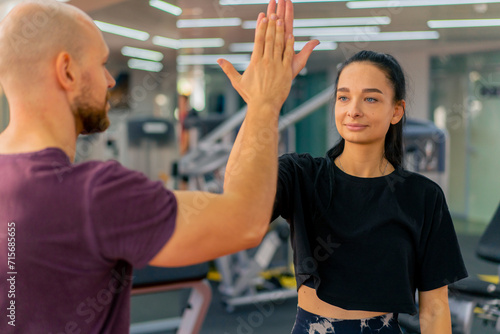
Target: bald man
(70, 234)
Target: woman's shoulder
(414, 181)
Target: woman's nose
(354, 110)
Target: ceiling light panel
(463, 23)
(248, 47)
(217, 22)
(331, 22)
(383, 36)
(201, 43)
(166, 42)
(260, 2)
(335, 31)
(132, 52)
(188, 43)
(166, 7)
(212, 59)
(144, 65)
(413, 3)
(122, 31)
(342, 21)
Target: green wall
(311, 132)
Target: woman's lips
(356, 127)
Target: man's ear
(66, 71)
(399, 111)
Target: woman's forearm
(435, 311)
(430, 324)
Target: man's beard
(93, 117)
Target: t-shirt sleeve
(285, 187)
(132, 216)
(439, 260)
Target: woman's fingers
(259, 18)
(260, 39)
(281, 9)
(271, 8)
(280, 39)
(289, 16)
(270, 37)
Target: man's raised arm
(211, 225)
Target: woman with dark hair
(366, 233)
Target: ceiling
(139, 15)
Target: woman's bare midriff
(309, 301)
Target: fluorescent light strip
(336, 31)
(241, 67)
(200, 23)
(166, 42)
(144, 65)
(212, 59)
(122, 31)
(331, 22)
(188, 43)
(248, 47)
(129, 51)
(344, 21)
(463, 23)
(413, 3)
(241, 47)
(201, 43)
(259, 2)
(383, 36)
(238, 67)
(323, 46)
(166, 7)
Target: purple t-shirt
(69, 237)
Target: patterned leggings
(309, 323)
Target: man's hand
(268, 78)
(241, 214)
(284, 10)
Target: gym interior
(166, 74)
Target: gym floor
(275, 318)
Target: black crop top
(366, 243)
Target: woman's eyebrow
(372, 90)
(365, 90)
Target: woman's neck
(364, 161)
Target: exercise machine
(242, 282)
(241, 274)
(156, 280)
(425, 147)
